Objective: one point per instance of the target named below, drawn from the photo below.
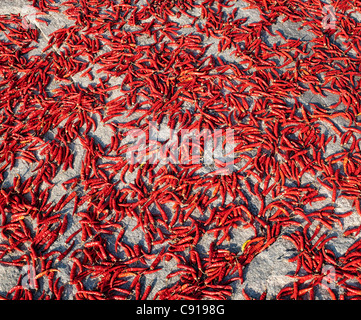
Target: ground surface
(266, 267)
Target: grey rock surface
(270, 270)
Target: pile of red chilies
(174, 80)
